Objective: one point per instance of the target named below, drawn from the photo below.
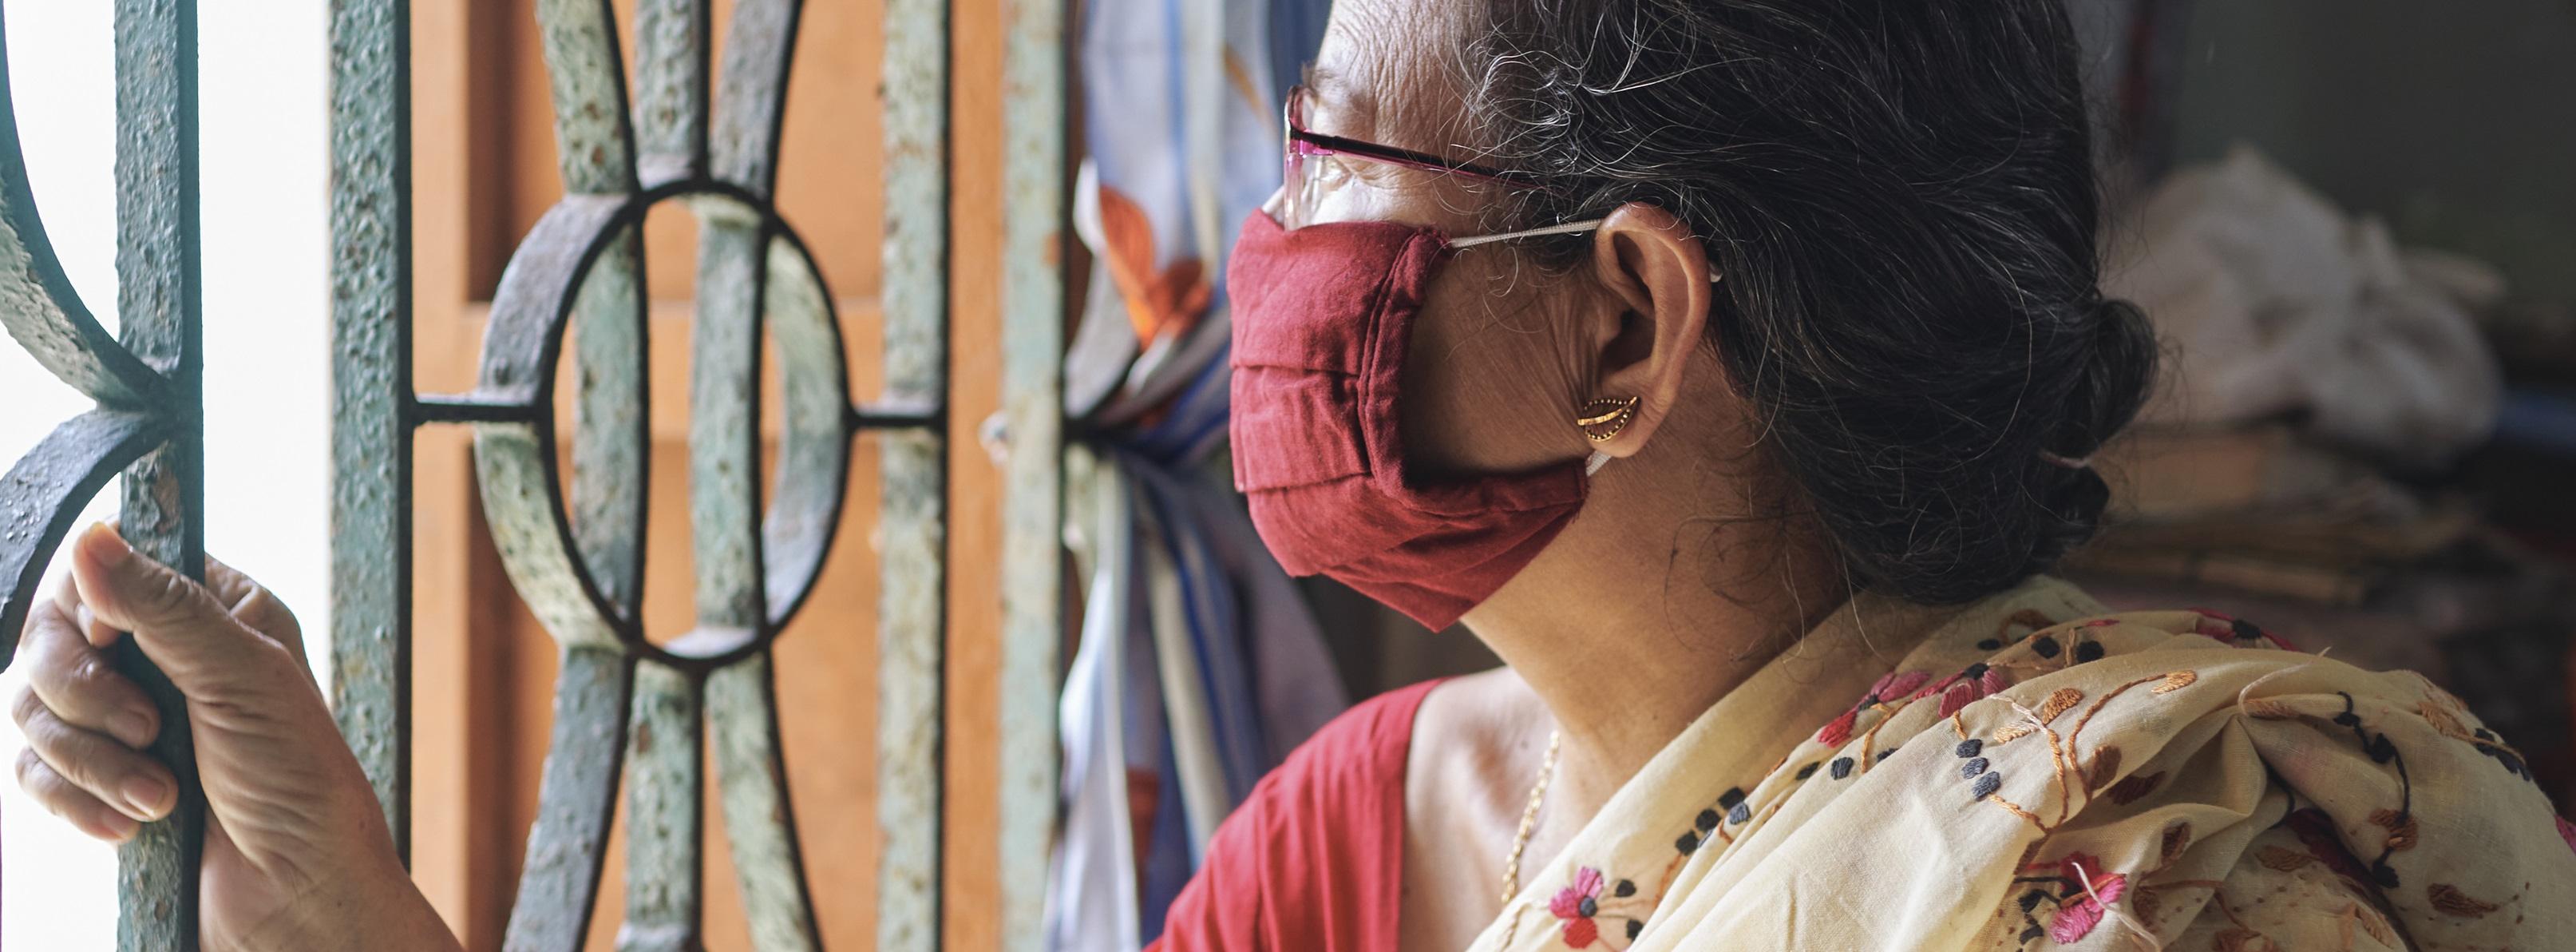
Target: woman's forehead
(1384, 57)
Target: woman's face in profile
(1495, 370)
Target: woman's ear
(1659, 288)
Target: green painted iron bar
(671, 46)
(665, 812)
(1035, 131)
(159, 308)
(372, 406)
(912, 512)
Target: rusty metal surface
(559, 880)
(1033, 316)
(751, 102)
(760, 822)
(37, 303)
(594, 141)
(576, 556)
(370, 383)
(665, 806)
(158, 304)
(913, 480)
(724, 422)
(41, 498)
(671, 43)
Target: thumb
(177, 623)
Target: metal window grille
(572, 547)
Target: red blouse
(1313, 861)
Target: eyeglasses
(1309, 158)
(1307, 168)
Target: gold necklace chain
(1529, 820)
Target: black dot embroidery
(1987, 783)
(1688, 843)
(1707, 820)
(2088, 651)
(1634, 927)
(1733, 796)
(1971, 747)
(1809, 770)
(2045, 645)
(1625, 888)
(1974, 766)
(1990, 644)
(1741, 813)
(1591, 907)
(1842, 767)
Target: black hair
(1901, 197)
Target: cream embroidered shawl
(2012, 775)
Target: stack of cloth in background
(2298, 466)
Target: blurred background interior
(2352, 220)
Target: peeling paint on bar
(1033, 313)
(760, 822)
(671, 43)
(158, 310)
(665, 810)
(371, 448)
(559, 881)
(913, 481)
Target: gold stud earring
(1603, 418)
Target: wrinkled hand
(297, 853)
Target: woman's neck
(1644, 612)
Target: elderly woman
(1732, 368)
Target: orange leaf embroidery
(2106, 765)
(2176, 681)
(2177, 838)
(2058, 702)
(2370, 923)
(2452, 901)
(2012, 732)
(2267, 709)
(2401, 830)
(2443, 721)
(2284, 860)
(2135, 787)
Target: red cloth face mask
(1322, 316)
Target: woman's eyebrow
(1320, 78)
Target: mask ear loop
(1569, 228)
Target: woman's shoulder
(1312, 859)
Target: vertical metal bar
(560, 879)
(912, 506)
(158, 307)
(371, 447)
(1034, 123)
(671, 46)
(760, 827)
(665, 807)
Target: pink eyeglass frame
(1301, 144)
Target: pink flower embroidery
(2566, 831)
(1576, 904)
(1958, 690)
(2083, 909)
(1890, 686)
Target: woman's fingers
(115, 774)
(61, 798)
(75, 681)
(210, 656)
(254, 605)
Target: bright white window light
(263, 112)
